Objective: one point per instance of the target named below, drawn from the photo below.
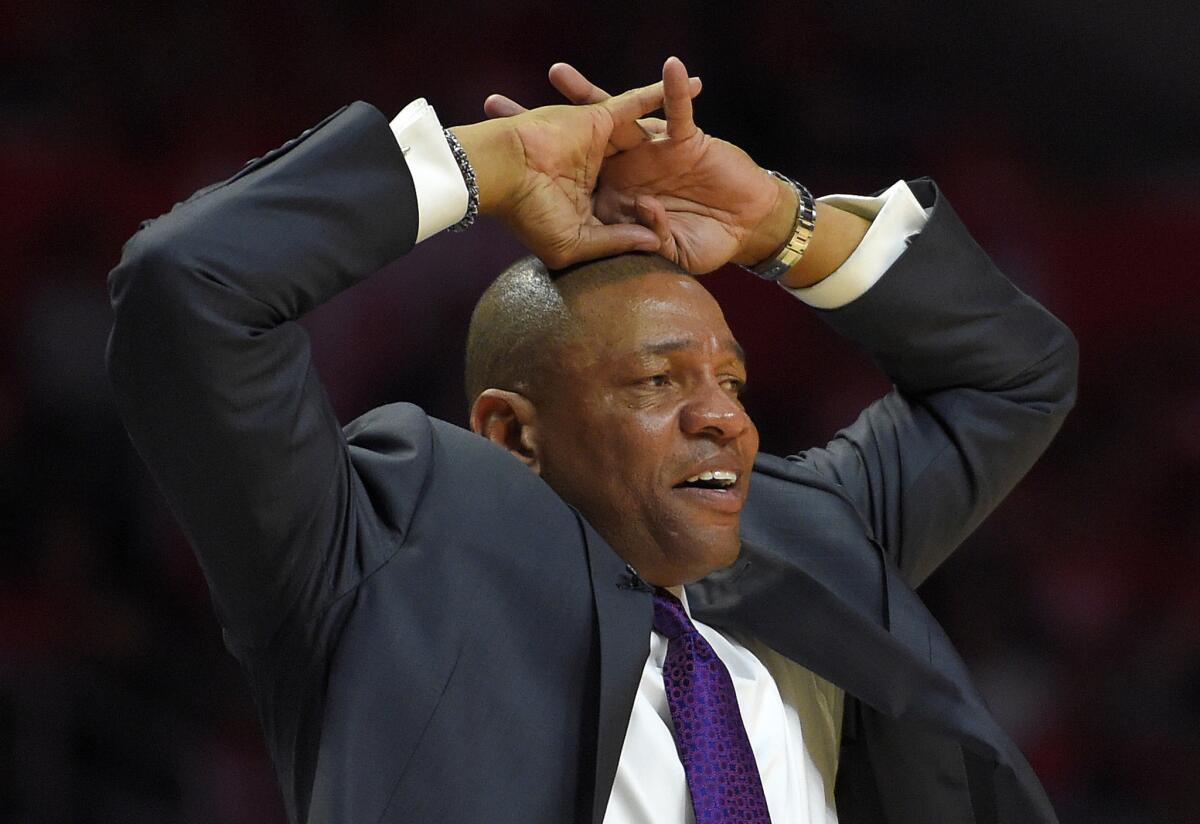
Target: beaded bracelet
(468, 173)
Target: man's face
(645, 407)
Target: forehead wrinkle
(668, 346)
(615, 318)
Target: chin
(727, 556)
(713, 556)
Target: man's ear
(509, 419)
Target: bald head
(618, 382)
(525, 317)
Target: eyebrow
(666, 347)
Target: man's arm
(984, 375)
(215, 380)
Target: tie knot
(670, 618)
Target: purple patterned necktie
(722, 775)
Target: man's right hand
(706, 199)
(537, 172)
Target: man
(434, 632)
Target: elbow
(160, 288)
(1065, 369)
(150, 270)
(151, 291)
(1047, 388)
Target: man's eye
(735, 385)
(657, 380)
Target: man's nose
(716, 412)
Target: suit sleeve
(214, 377)
(983, 378)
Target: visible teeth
(722, 475)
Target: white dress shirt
(793, 718)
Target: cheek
(609, 449)
(585, 456)
(641, 444)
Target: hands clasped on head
(599, 177)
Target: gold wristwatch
(778, 264)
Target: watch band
(776, 266)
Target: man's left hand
(706, 199)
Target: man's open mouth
(717, 479)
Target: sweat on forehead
(525, 315)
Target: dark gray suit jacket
(431, 634)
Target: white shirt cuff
(895, 216)
(441, 192)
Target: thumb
(497, 105)
(628, 107)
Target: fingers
(627, 133)
(625, 109)
(610, 206)
(653, 126)
(597, 240)
(653, 215)
(628, 106)
(677, 100)
(497, 105)
(571, 83)
(677, 91)
(644, 210)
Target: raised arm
(984, 375)
(215, 379)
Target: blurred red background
(1065, 138)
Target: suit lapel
(789, 609)
(623, 618)
(866, 633)
(877, 642)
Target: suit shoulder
(778, 483)
(793, 468)
(402, 434)
(401, 456)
